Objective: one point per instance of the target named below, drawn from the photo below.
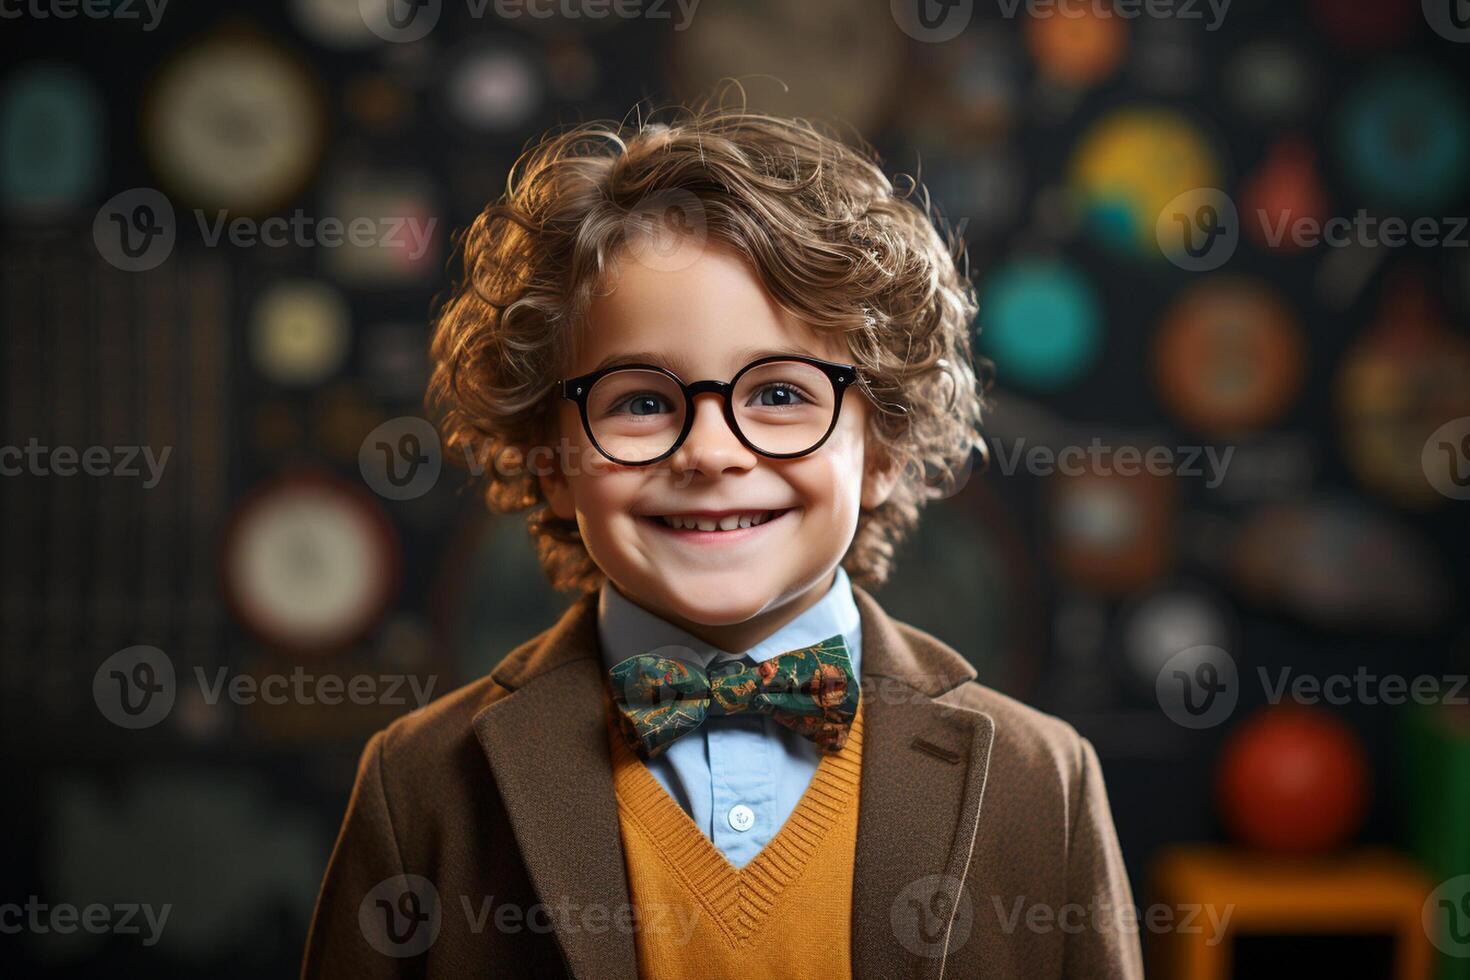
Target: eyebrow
(744, 355)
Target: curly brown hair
(832, 239)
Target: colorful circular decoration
(300, 332)
(1112, 533)
(234, 123)
(1404, 137)
(493, 85)
(1081, 46)
(1130, 165)
(1402, 380)
(1229, 357)
(51, 128)
(1041, 322)
(1169, 621)
(1293, 779)
(311, 562)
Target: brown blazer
(499, 799)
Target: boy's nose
(711, 445)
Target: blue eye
(786, 393)
(642, 404)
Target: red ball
(1292, 779)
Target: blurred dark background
(1306, 406)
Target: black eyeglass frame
(842, 376)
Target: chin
(715, 602)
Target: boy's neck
(739, 637)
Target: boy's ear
(554, 485)
(883, 472)
(558, 493)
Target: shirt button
(742, 817)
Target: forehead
(706, 319)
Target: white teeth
(729, 522)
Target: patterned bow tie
(812, 691)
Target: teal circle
(1040, 321)
(50, 138)
(1404, 137)
(1114, 222)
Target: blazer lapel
(923, 777)
(547, 745)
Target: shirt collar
(626, 629)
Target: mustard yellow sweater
(787, 913)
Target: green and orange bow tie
(811, 691)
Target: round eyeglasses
(782, 406)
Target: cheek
(604, 505)
(602, 495)
(833, 480)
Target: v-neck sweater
(788, 912)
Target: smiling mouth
(731, 526)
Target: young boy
(718, 357)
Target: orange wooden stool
(1375, 892)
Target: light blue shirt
(738, 776)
